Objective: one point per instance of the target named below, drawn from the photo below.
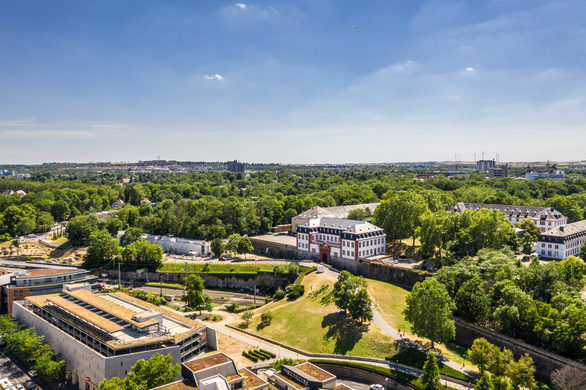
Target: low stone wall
(545, 361)
(383, 272)
(275, 249)
(263, 280)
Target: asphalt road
(8, 369)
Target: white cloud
(470, 69)
(43, 133)
(216, 76)
(240, 5)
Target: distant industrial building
(235, 166)
(103, 335)
(485, 165)
(25, 283)
(555, 175)
(562, 242)
(331, 212)
(340, 238)
(498, 171)
(545, 218)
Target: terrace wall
(247, 281)
(545, 361)
(383, 272)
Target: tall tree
(143, 254)
(399, 214)
(429, 309)
(103, 248)
(484, 383)
(194, 291)
(431, 373)
(245, 246)
(480, 353)
(217, 247)
(521, 373)
(158, 370)
(360, 306)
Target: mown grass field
(313, 326)
(390, 301)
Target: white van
(320, 269)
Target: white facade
(545, 218)
(183, 246)
(562, 242)
(341, 238)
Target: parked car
(376, 387)
(222, 258)
(229, 257)
(20, 387)
(30, 385)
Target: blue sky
(292, 81)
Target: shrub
(279, 363)
(294, 291)
(280, 294)
(266, 317)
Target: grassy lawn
(313, 326)
(214, 267)
(389, 301)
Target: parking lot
(10, 371)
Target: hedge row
(258, 354)
(249, 356)
(305, 272)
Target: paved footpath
(283, 352)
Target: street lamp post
(386, 380)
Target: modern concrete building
(545, 218)
(341, 238)
(304, 376)
(562, 242)
(24, 283)
(498, 171)
(235, 166)
(331, 212)
(484, 165)
(215, 371)
(103, 335)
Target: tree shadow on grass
(344, 330)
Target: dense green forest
(539, 303)
(217, 204)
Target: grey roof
(512, 210)
(337, 211)
(568, 230)
(347, 225)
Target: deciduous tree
(429, 309)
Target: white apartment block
(546, 218)
(340, 238)
(562, 242)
